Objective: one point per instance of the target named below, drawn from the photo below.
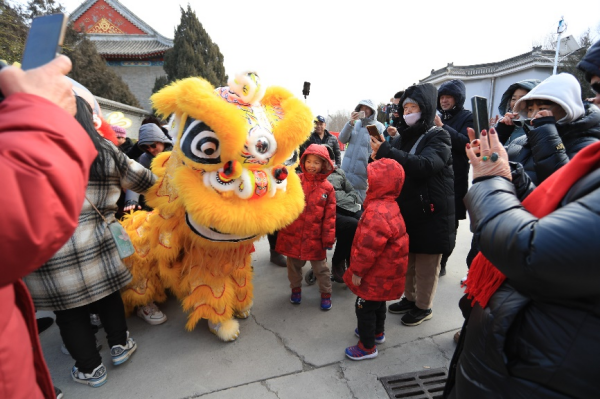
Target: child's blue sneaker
(121, 353)
(359, 352)
(94, 379)
(325, 301)
(296, 297)
(379, 338)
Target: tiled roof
(536, 57)
(129, 45)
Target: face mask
(411, 119)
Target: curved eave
(145, 55)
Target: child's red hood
(321, 152)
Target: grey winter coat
(359, 150)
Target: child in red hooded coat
(379, 256)
(313, 233)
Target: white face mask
(411, 119)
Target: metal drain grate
(426, 384)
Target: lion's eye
(200, 144)
(262, 145)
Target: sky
(353, 50)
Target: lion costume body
(228, 181)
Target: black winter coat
(328, 139)
(427, 198)
(538, 335)
(456, 121)
(549, 146)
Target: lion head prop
(228, 181)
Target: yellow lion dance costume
(228, 181)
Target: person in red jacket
(379, 256)
(45, 157)
(313, 233)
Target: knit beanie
(409, 100)
(150, 133)
(119, 131)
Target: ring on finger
(494, 157)
(485, 158)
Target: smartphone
(480, 114)
(373, 132)
(361, 115)
(44, 40)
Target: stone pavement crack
(268, 388)
(342, 377)
(306, 366)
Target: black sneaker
(416, 316)
(404, 306)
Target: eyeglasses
(596, 87)
(146, 147)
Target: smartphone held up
(373, 132)
(44, 40)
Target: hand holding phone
(48, 81)
(44, 40)
(373, 132)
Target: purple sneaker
(325, 301)
(359, 352)
(296, 297)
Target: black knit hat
(590, 63)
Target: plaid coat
(88, 268)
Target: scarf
(484, 278)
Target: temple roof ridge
(127, 14)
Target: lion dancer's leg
(243, 288)
(210, 298)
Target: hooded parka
(359, 150)
(380, 247)
(507, 133)
(308, 236)
(549, 144)
(456, 121)
(427, 198)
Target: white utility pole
(562, 26)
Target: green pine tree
(13, 32)
(193, 53)
(37, 8)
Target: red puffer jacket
(45, 157)
(314, 230)
(380, 247)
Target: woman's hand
(356, 280)
(392, 131)
(131, 205)
(541, 114)
(375, 144)
(508, 117)
(493, 160)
